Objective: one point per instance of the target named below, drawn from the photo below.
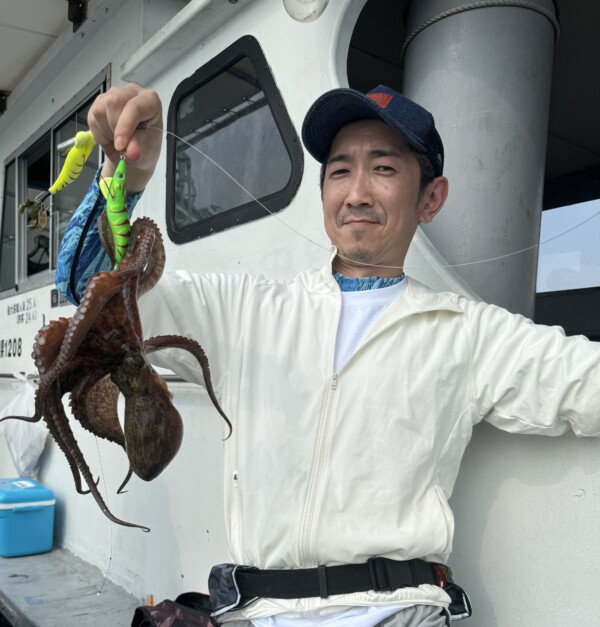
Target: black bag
(190, 609)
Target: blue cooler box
(26, 517)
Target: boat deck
(57, 589)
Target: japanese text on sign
(23, 312)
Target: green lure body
(116, 212)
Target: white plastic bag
(25, 440)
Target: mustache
(360, 214)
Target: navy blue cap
(338, 107)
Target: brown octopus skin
(100, 352)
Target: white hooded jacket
(326, 467)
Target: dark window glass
(232, 112)
(7, 235)
(38, 181)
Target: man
(353, 390)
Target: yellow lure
(76, 158)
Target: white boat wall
(506, 82)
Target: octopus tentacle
(46, 347)
(64, 437)
(35, 418)
(106, 238)
(56, 419)
(125, 481)
(138, 259)
(94, 404)
(177, 341)
(156, 262)
(47, 344)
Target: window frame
(576, 310)
(21, 221)
(98, 84)
(245, 47)
(8, 164)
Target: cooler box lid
(24, 490)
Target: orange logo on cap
(383, 100)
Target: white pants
(417, 616)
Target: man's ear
(433, 199)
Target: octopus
(100, 353)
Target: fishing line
(371, 265)
(109, 524)
(289, 226)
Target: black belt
(379, 574)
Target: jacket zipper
(306, 550)
(309, 515)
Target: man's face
(371, 198)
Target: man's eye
(384, 168)
(338, 172)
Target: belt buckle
(380, 576)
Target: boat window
(568, 280)
(8, 276)
(233, 145)
(28, 245)
(569, 255)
